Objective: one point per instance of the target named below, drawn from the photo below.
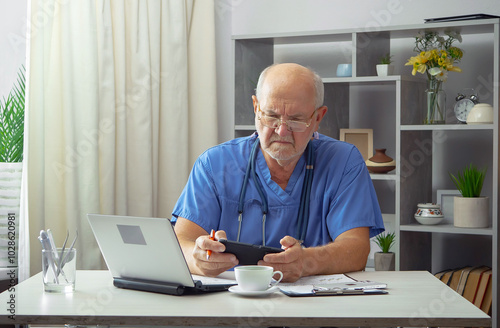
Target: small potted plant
(385, 260)
(470, 210)
(384, 66)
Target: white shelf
(383, 176)
(245, 127)
(446, 228)
(365, 79)
(447, 127)
(402, 31)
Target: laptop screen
(141, 248)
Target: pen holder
(59, 270)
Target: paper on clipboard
(360, 285)
(338, 284)
(305, 285)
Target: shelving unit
(392, 107)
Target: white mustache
(273, 139)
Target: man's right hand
(195, 243)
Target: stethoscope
(303, 215)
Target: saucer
(237, 290)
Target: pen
(212, 237)
(46, 245)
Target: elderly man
(285, 186)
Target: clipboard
(366, 287)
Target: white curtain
(121, 101)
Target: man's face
(280, 143)
(287, 95)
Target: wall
(12, 42)
(264, 16)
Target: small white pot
(384, 69)
(385, 261)
(471, 212)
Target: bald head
(293, 79)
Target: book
(472, 283)
(455, 278)
(440, 274)
(446, 277)
(481, 288)
(464, 276)
(483, 298)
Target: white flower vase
(471, 212)
(10, 195)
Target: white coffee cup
(256, 277)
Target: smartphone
(248, 254)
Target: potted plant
(385, 260)
(384, 66)
(11, 156)
(470, 210)
(12, 123)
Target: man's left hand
(290, 262)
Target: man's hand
(290, 262)
(347, 253)
(218, 261)
(195, 243)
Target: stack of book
(473, 283)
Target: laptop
(144, 254)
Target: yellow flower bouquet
(436, 57)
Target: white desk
(415, 298)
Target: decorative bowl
(377, 168)
(380, 162)
(480, 114)
(429, 220)
(429, 213)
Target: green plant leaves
(385, 241)
(12, 122)
(470, 181)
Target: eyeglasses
(291, 125)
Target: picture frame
(361, 138)
(444, 198)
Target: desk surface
(416, 298)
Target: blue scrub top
(342, 194)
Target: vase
(385, 261)
(380, 162)
(471, 212)
(436, 103)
